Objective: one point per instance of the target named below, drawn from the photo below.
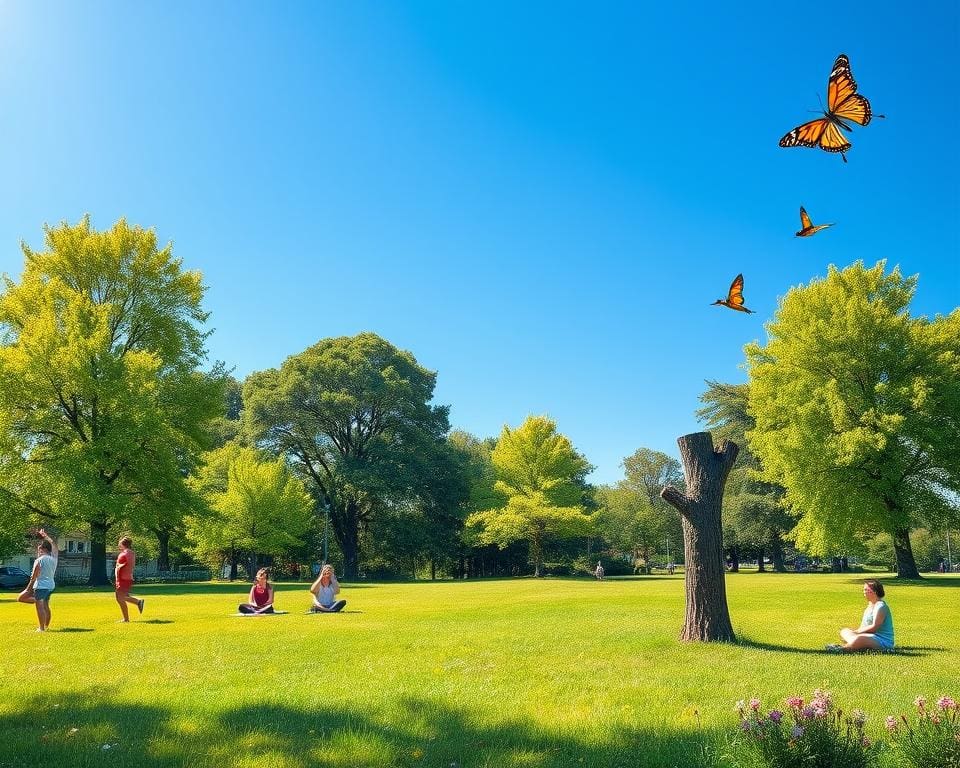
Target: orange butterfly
(807, 227)
(843, 103)
(734, 298)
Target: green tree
(102, 403)
(353, 415)
(542, 478)
(630, 525)
(646, 473)
(857, 408)
(262, 509)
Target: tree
(541, 476)
(626, 520)
(102, 404)
(352, 414)
(705, 469)
(754, 511)
(262, 510)
(857, 408)
(645, 473)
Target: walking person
(123, 578)
(42, 584)
(325, 590)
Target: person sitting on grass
(876, 628)
(325, 590)
(42, 584)
(261, 596)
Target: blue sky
(538, 200)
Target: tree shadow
(900, 650)
(416, 733)
(74, 629)
(156, 621)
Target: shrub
(932, 740)
(805, 735)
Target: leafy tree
(542, 478)
(629, 524)
(754, 511)
(646, 472)
(857, 408)
(353, 416)
(102, 405)
(262, 509)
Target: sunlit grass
(542, 673)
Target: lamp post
(326, 525)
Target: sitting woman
(261, 596)
(325, 590)
(876, 627)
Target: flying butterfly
(807, 227)
(734, 298)
(843, 104)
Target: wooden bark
(705, 471)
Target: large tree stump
(705, 469)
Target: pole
(949, 557)
(326, 523)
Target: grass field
(527, 673)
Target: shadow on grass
(417, 733)
(74, 629)
(155, 621)
(900, 650)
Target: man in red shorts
(123, 578)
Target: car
(12, 577)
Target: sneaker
(833, 648)
(140, 605)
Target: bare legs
(124, 597)
(43, 609)
(854, 642)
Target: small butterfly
(807, 227)
(734, 298)
(843, 103)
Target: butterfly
(843, 104)
(807, 227)
(734, 298)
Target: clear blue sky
(538, 200)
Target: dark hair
(876, 586)
(46, 546)
(126, 541)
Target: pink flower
(776, 715)
(920, 702)
(808, 713)
(794, 702)
(945, 703)
(754, 703)
(866, 741)
(891, 723)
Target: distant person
(671, 567)
(876, 627)
(599, 571)
(941, 566)
(123, 578)
(261, 595)
(42, 584)
(325, 590)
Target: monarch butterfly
(843, 103)
(807, 227)
(734, 298)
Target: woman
(261, 596)
(325, 590)
(876, 627)
(41, 584)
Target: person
(42, 584)
(261, 596)
(325, 590)
(599, 571)
(671, 567)
(876, 627)
(123, 578)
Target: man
(41, 584)
(123, 578)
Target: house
(74, 559)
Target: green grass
(527, 673)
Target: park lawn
(490, 673)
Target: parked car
(12, 577)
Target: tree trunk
(433, 569)
(906, 565)
(760, 554)
(705, 470)
(163, 549)
(776, 554)
(734, 554)
(98, 554)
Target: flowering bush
(932, 740)
(805, 735)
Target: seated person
(325, 590)
(876, 627)
(261, 596)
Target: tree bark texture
(98, 555)
(705, 471)
(906, 565)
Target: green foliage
(258, 507)
(353, 416)
(541, 476)
(102, 408)
(856, 406)
(932, 738)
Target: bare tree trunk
(776, 554)
(705, 470)
(98, 554)
(906, 565)
(760, 554)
